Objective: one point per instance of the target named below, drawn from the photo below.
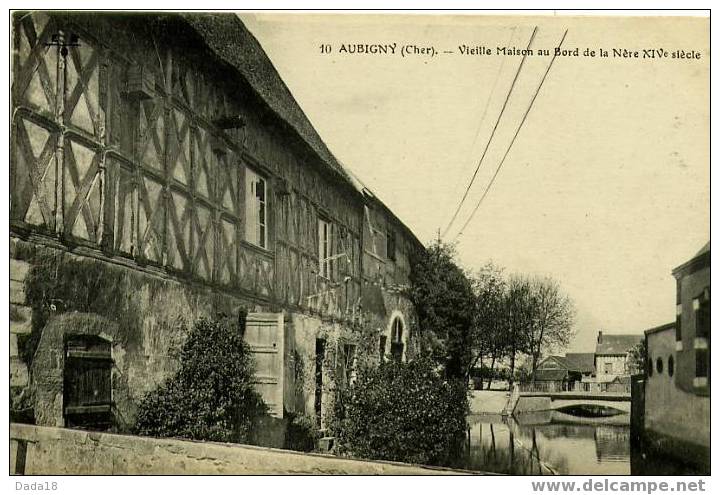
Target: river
(549, 443)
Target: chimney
(599, 337)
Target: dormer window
(391, 245)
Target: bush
(401, 412)
(211, 397)
(21, 406)
(302, 433)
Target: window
(678, 312)
(702, 363)
(391, 244)
(397, 330)
(608, 367)
(325, 248)
(396, 345)
(659, 365)
(671, 366)
(255, 209)
(702, 314)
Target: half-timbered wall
(133, 141)
(116, 146)
(59, 104)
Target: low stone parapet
(39, 450)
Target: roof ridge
(264, 79)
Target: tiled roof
(614, 345)
(581, 361)
(228, 37)
(549, 375)
(661, 328)
(560, 360)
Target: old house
(608, 369)
(582, 363)
(676, 407)
(162, 171)
(557, 373)
(611, 355)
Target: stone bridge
(543, 401)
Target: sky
(607, 185)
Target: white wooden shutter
(264, 333)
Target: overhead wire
(517, 131)
(492, 91)
(492, 134)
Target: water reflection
(553, 442)
(548, 443)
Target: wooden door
(265, 332)
(87, 393)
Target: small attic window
(391, 244)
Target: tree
(211, 397)
(445, 303)
(637, 357)
(518, 318)
(488, 332)
(551, 318)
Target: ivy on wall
(60, 282)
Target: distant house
(556, 373)
(677, 383)
(582, 362)
(605, 370)
(611, 355)
(552, 374)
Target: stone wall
(45, 451)
(144, 315)
(669, 410)
(20, 328)
(301, 365)
(617, 364)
